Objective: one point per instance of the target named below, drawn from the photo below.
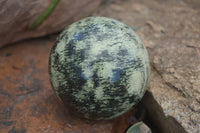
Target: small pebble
(162, 31)
(135, 28)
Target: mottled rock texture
(17, 15)
(99, 68)
(171, 31)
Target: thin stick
(44, 15)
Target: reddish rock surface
(169, 29)
(29, 104)
(171, 32)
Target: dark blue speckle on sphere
(116, 75)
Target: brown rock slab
(28, 104)
(171, 31)
(16, 16)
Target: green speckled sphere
(99, 68)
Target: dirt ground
(170, 29)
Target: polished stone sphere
(99, 68)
